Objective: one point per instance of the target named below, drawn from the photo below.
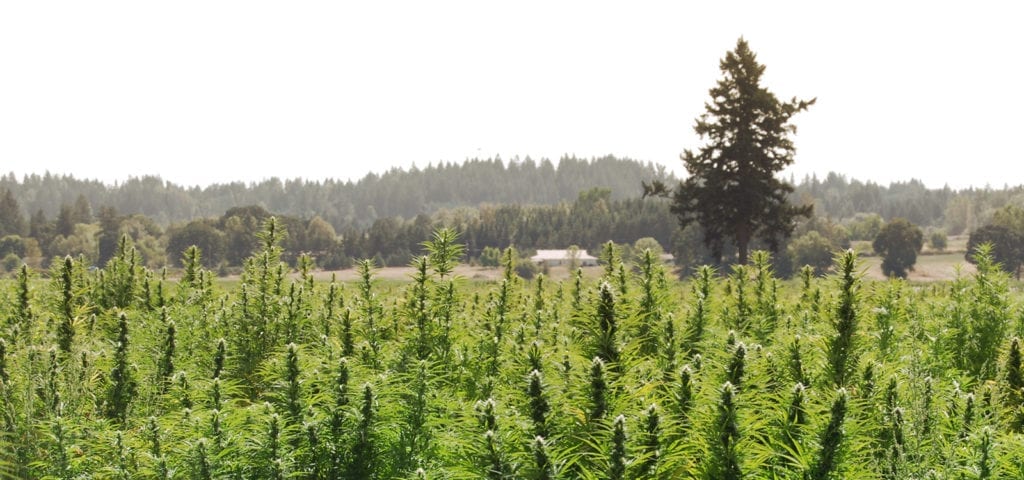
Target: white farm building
(554, 258)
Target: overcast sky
(214, 91)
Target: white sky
(214, 91)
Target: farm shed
(554, 258)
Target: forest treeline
(395, 193)
(407, 193)
(526, 203)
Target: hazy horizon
(798, 178)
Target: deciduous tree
(1007, 246)
(898, 243)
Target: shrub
(938, 241)
(490, 257)
(526, 270)
(812, 249)
(10, 262)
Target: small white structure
(555, 258)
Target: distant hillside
(408, 193)
(956, 211)
(396, 193)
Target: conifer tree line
(397, 192)
(119, 372)
(407, 193)
(93, 216)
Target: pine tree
(731, 190)
(12, 220)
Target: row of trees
(593, 218)
(596, 216)
(446, 186)
(396, 193)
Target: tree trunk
(742, 242)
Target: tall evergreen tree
(12, 221)
(731, 190)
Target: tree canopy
(898, 243)
(1006, 235)
(731, 190)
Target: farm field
(929, 268)
(436, 372)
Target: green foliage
(647, 243)
(543, 468)
(864, 226)
(444, 251)
(617, 456)
(526, 270)
(812, 250)
(898, 243)
(724, 462)
(650, 443)
(938, 241)
(66, 325)
(843, 343)
(605, 326)
(828, 457)
(1013, 395)
(978, 317)
(12, 221)
(1006, 246)
(490, 257)
(123, 386)
(165, 367)
(4, 376)
(653, 301)
(931, 380)
(256, 323)
(598, 390)
(200, 234)
(10, 262)
(538, 404)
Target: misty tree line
(428, 190)
(592, 219)
(845, 210)
(396, 193)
